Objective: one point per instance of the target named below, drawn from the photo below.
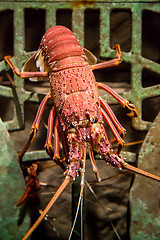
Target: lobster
(77, 109)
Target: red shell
(75, 94)
(73, 85)
(59, 43)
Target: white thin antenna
(75, 219)
(92, 191)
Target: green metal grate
(137, 93)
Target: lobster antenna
(50, 204)
(108, 178)
(80, 201)
(101, 205)
(132, 169)
(78, 206)
(82, 215)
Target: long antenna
(78, 206)
(50, 204)
(80, 201)
(101, 205)
(132, 169)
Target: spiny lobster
(77, 109)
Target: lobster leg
(35, 125)
(32, 185)
(121, 130)
(111, 63)
(113, 129)
(17, 72)
(120, 99)
(107, 139)
(56, 140)
(56, 157)
(65, 147)
(95, 169)
(48, 144)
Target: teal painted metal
(86, 2)
(12, 186)
(144, 197)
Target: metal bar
(78, 24)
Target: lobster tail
(59, 43)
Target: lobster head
(80, 138)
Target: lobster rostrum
(78, 109)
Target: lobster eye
(94, 120)
(74, 124)
(87, 116)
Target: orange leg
(48, 144)
(120, 99)
(65, 146)
(111, 63)
(10, 78)
(32, 184)
(17, 72)
(95, 169)
(35, 125)
(120, 128)
(56, 139)
(107, 139)
(114, 131)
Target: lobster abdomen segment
(59, 43)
